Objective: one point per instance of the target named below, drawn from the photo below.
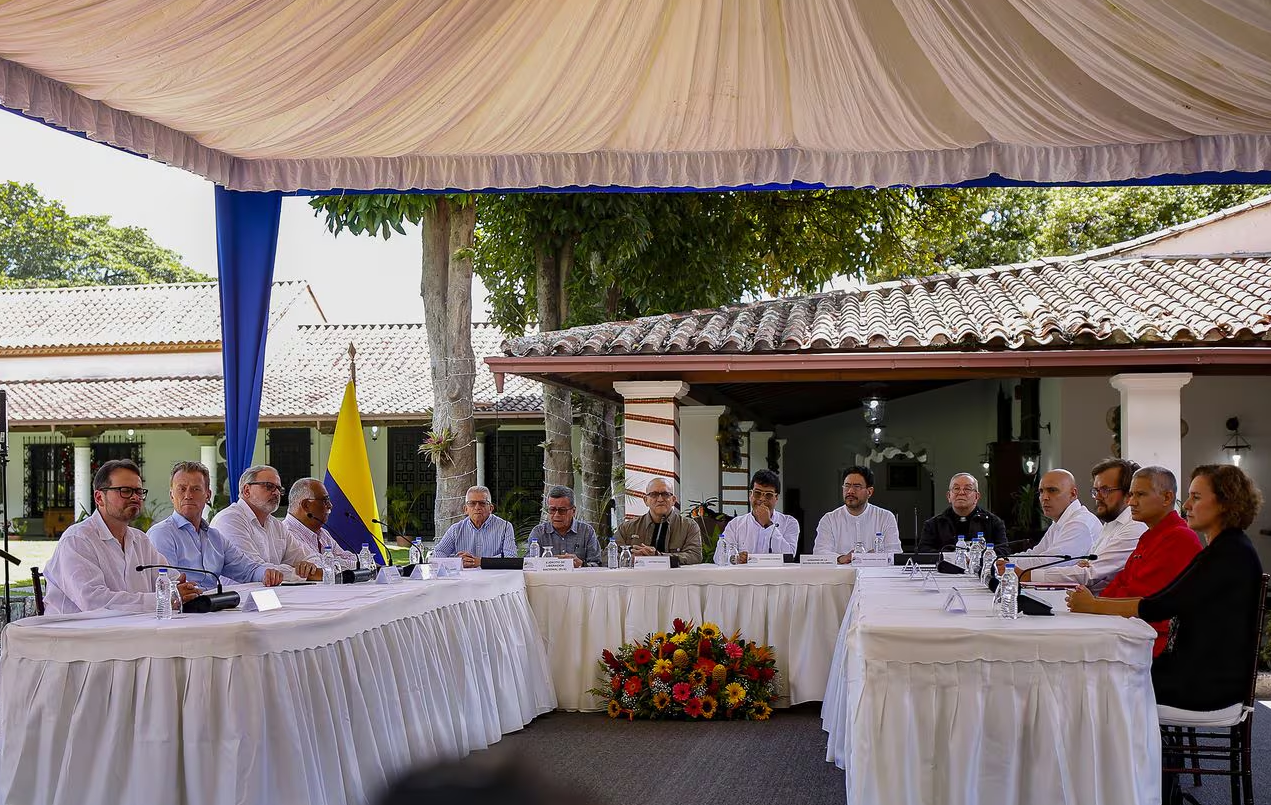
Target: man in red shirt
(1163, 551)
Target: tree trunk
(446, 289)
(597, 455)
(558, 455)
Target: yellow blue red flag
(348, 482)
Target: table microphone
(1058, 557)
(388, 557)
(407, 568)
(207, 602)
(10, 558)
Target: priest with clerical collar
(963, 518)
(661, 530)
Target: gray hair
(250, 474)
(561, 492)
(1162, 479)
(479, 488)
(301, 491)
(670, 487)
(974, 481)
(192, 466)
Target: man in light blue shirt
(481, 533)
(185, 538)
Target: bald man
(1073, 529)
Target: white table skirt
(927, 707)
(797, 610)
(300, 714)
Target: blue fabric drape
(246, 240)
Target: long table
(795, 609)
(322, 701)
(925, 706)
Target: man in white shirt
(857, 520)
(250, 523)
(1073, 530)
(763, 529)
(95, 563)
(1117, 538)
(308, 508)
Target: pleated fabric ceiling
(438, 94)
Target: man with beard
(94, 564)
(963, 518)
(857, 520)
(250, 523)
(660, 529)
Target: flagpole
(352, 364)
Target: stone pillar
(83, 477)
(699, 454)
(480, 458)
(1151, 419)
(651, 435)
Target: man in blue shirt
(185, 538)
(481, 533)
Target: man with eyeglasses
(568, 537)
(962, 519)
(250, 524)
(661, 530)
(1073, 529)
(481, 533)
(763, 529)
(856, 521)
(189, 540)
(94, 564)
(308, 509)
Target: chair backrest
(1258, 626)
(37, 585)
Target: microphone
(1007, 547)
(407, 568)
(207, 602)
(10, 558)
(388, 557)
(1059, 560)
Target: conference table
(796, 609)
(322, 701)
(928, 706)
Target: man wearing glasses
(568, 537)
(481, 533)
(660, 530)
(249, 523)
(763, 529)
(308, 508)
(856, 521)
(963, 518)
(94, 564)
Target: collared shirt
(1163, 552)
(1073, 534)
(840, 530)
(88, 570)
(780, 536)
(579, 539)
(316, 542)
(495, 537)
(1115, 544)
(269, 544)
(203, 546)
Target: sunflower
(735, 693)
(761, 711)
(709, 706)
(657, 637)
(661, 700)
(614, 708)
(678, 638)
(697, 677)
(709, 630)
(662, 667)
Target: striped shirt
(495, 537)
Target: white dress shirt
(781, 535)
(88, 570)
(317, 541)
(1073, 534)
(839, 530)
(270, 544)
(1116, 542)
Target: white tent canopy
(439, 94)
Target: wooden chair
(1224, 735)
(37, 586)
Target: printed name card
(871, 559)
(653, 562)
(550, 564)
(261, 601)
(818, 559)
(446, 567)
(422, 572)
(765, 559)
(388, 575)
(954, 603)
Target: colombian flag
(348, 482)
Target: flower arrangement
(436, 446)
(691, 672)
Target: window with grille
(414, 481)
(514, 464)
(117, 448)
(50, 475)
(290, 452)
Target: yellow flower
(678, 638)
(697, 677)
(736, 694)
(658, 637)
(661, 700)
(761, 711)
(662, 667)
(709, 706)
(614, 708)
(710, 631)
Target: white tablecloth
(323, 701)
(928, 707)
(795, 609)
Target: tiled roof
(1056, 303)
(123, 315)
(193, 399)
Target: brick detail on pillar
(651, 436)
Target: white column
(699, 453)
(1151, 416)
(83, 477)
(207, 455)
(651, 435)
(480, 458)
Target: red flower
(713, 688)
(665, 677)
(642, 656)
(678, 624)
(752, 673)
(733, 651)
(611, 660)
(704, 648)
(693, 707)
(706, 664)
(681, 691)
(667, 649)
(766, 674)
(633, 685)
(615, 682)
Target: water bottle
(416, 551)
(974, 555)
(987, 564)
(328, 565)
(858, 547)
(961, 556)
(625, 559)
(548, 553)
(533, 550)
(611, 554)
(364, 558)
(1008, 593)
(878, 542)
(163, 595)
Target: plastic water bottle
(416, 551)
(974, 555)
(961, 556)
(548, 553)
(878, 542)
(364, 558)
(625, 559)
(987, 564)
(858, 547)
(533, 550)
(328, 565)
(163, 595)
(1008, 593)
(611, 554)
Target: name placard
(765, 559)
(261, 601)
(954, 602)
(652, 562)
(871, 559)
(446, 567)
(422, 572)
(388, 575)
(818, 559)
(555, 564)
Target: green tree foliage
(41, 244)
